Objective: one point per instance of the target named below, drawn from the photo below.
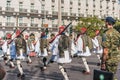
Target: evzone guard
(20, 44)
(83, 46)
(9, 50)
(60, 45)
(97, 47)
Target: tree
(91, 23)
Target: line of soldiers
(62, 47)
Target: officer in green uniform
(111, 43)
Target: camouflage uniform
(87, 41)
(64, 44)
(111, 41)
(20, 44)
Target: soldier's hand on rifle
(103, 66)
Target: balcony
(23, 24)
(64, 14)
(81, 15)
(0, 8)
(0, 23)
(9, 24)
(88, 15)
(9, 9)
(33, 11)
(23, 10)
(54, 13)
(44, 12)
(54, 25)
(33, 25)
(73, 14)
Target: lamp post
(59, 13)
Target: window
(20, 5)
(53, 8)
(43, 7)
(62, 1)
(71, 10)
(20, 19)
(32, 6)
(32, 20)
(94, 6)
(79, 3)
(87, 4)
(78, 10)
(8, 19)
(62, 9)
(53, 1)
(71, 2)
(8, 3)
(113, 8)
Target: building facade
(37, 14)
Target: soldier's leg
(98, 56)
(20, 68)
(44, 62)
(6, 59)
(87, 71)
(12, 64)
(63, 71)
(29, 59)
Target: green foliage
(117, 26)
(91, 23)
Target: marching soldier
(28, 48)
(97, 47)
(111, 47)
(84, 45)
(64, 54)
(54, 50)
(60, 46)
(9, 50)
(21, 51)
(43, 48)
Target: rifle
(17, 35)
(60, 32)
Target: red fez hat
(97, 32)
(18, 32)
(0, 38)
(26, 36)
(83, 29)
(8, 36)
(61, 28)
(43, 34)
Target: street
(33, 71)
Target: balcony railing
(0, 8)
(22, 24)
(44, 12)
(89, 15)
(64, 14)
(33, 11)
(54, 25)
(9, 24)
(72, 14)
(81, 15)
(34, 25)
(23, 10)
(0, 23)
(54, 13)
(9, 9)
